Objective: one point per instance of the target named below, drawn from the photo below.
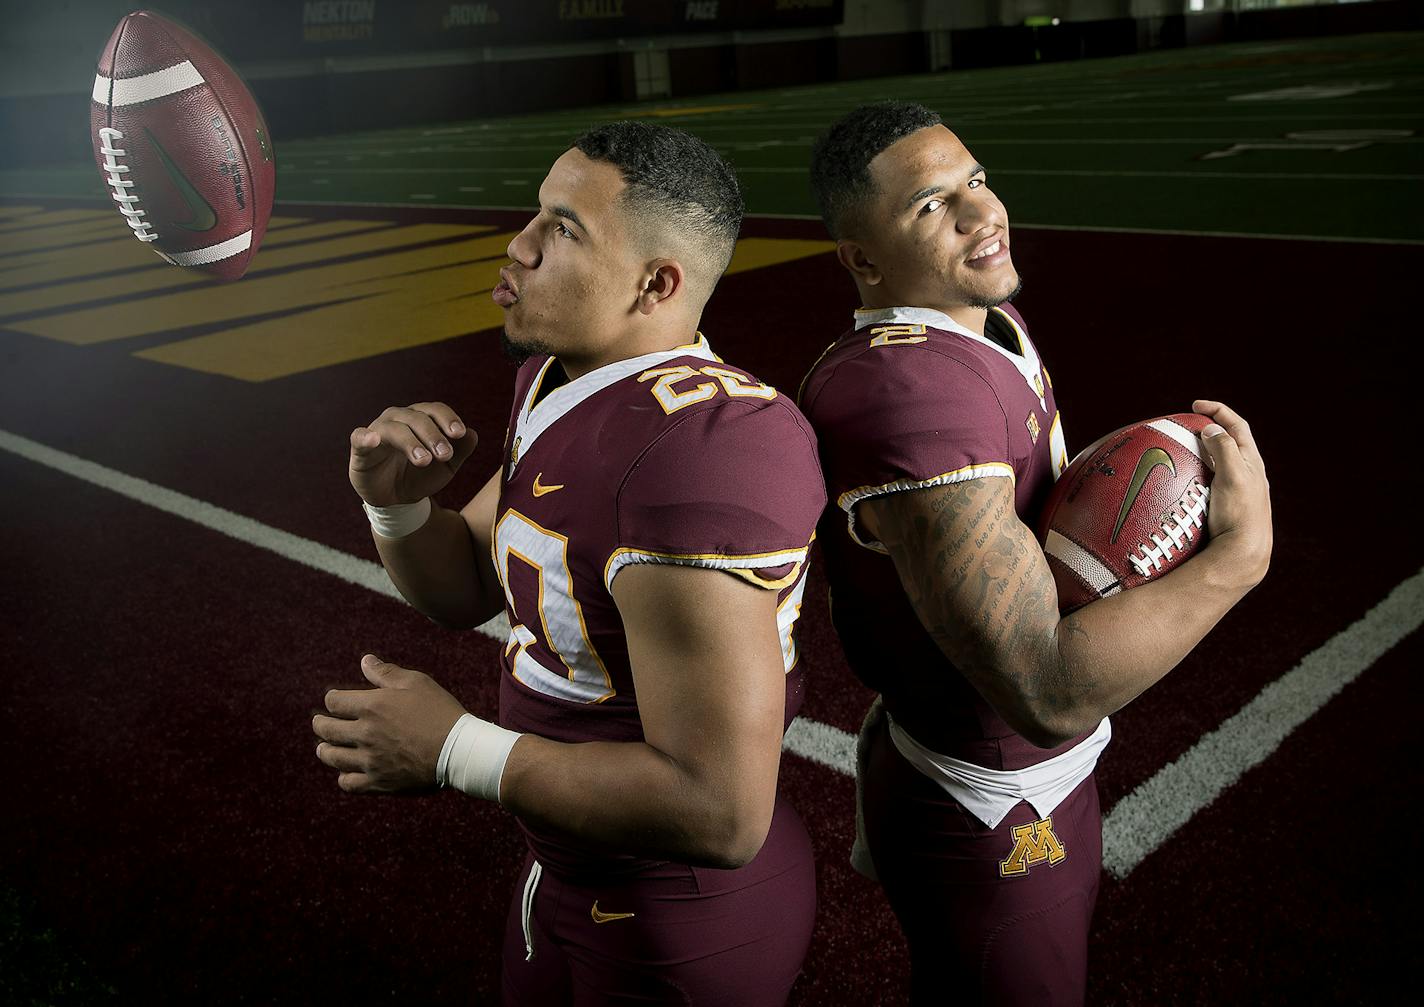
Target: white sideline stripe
(1146, 818)
(1137, 825)
(212, 253)
(351, 569)
(159, 84)
(823, 743)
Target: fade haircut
(840, 160)
(676, 181)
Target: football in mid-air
(1128, 509)
(182, 146)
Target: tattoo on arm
(982, 589)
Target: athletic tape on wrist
(473, 757)
(398, 520)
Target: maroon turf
(172, 827)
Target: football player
(647, 536)
(940, 438)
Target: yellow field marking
(67, 270)
(392, 297)
(161, 276)
(670, 113)
(51, 217)
(758, 253)
(39, 233)
(20, 247)
(395, 312)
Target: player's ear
(853, 256)
(662, 281)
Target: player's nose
(524, 247)
(978, 213)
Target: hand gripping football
(1128, 509)
(182, 144)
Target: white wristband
(398, 520)
(473, 757)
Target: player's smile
(990, 253)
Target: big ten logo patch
(1034, 843)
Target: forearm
(630, 798)
(438, 570)
(1111, 651)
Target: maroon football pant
(671, 934)
(977, 936)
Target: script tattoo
(979, 583)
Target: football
(181, 143)
(1128, 509)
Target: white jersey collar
(1026, 361)
(536, 417)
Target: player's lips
(990, 253)
(506, 293)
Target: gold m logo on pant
(1034, 843)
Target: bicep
(977, 580)
(707, 664)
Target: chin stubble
(522, 350)
(989, 301)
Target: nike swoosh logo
(599, 917)
(204, 219)
(541, 490)
(1151, 458)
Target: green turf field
(1318, 137)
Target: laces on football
(1179, 527)
(142, 229)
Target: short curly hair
(673, 177)
(840, 160)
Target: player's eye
(931, 206)
(975, 183)
(565, 232)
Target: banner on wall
(283, 29)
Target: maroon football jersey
(908, 399)
(671, 457)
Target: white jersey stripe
(213, 253)
(1178, 433)
(159, 84)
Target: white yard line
(1146, 818)
(1136, 826)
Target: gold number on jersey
(557, 617)
(671, 400)
(897, 335)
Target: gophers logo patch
(1033, 425)
(1034, 844)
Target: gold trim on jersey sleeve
(979, 470)
(737, 564)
